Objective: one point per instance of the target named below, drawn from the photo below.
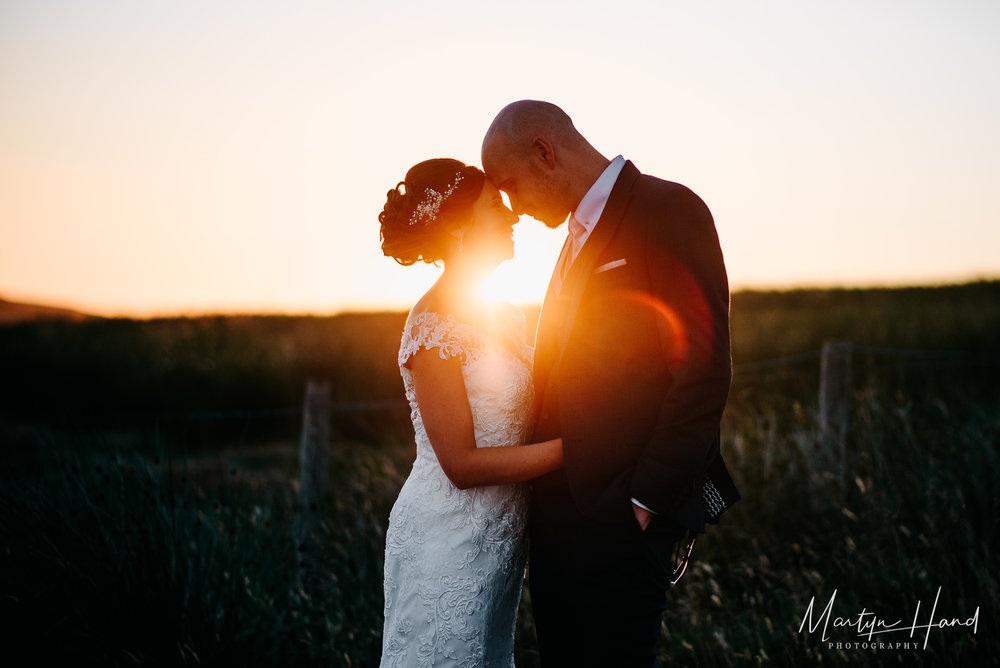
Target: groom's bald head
(519, 122)
(534, 153)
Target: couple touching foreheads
(590, 456)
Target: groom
(632, 369)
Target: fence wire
(739, 370)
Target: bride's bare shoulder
(430, 305)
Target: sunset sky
(167, 157)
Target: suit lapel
(604, 231)
(559, 311)
(547, 329)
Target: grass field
(147, 488)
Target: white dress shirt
(590, 208)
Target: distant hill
(14, 312)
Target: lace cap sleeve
(432, 331)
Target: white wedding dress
(454, 559)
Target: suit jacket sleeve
(690, 291)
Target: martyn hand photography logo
(868, 630)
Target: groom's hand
(642, 516)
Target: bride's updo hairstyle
(435, 198)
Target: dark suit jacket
(632, 360)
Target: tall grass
(125, 561)
(919, 511)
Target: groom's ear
(543, 150)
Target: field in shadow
(147, 488)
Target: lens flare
(677, 335)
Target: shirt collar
(590, 208)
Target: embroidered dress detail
(454, 559)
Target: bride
(455, 550)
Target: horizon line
(200, 312)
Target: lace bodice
(496, 368)
(455, 558)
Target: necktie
(576, 232)
(573, 245)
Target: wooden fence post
(312, 479)
(834, 400)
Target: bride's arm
(444, 407)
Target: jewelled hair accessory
(430, 205)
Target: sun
(524, 280)
(508, 285)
